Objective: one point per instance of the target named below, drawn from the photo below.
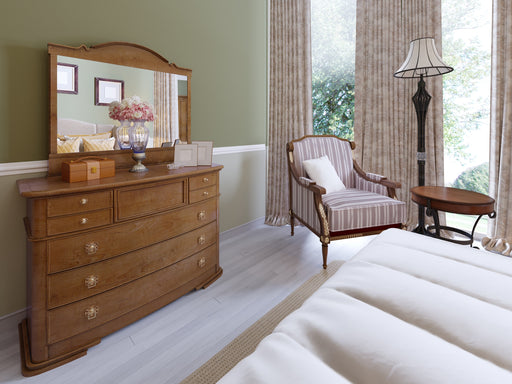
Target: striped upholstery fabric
(368, 186)
(303, 205)
(338, 152)
(353, 209)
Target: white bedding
(406, 309)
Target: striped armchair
(366, 206)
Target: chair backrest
(337, 150)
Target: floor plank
(262, 265)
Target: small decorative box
(87, 168)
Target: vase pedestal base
(139, 167)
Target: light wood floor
(262, 265)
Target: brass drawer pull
(91, 281)
(201, 263)
(205, 193)
(201, 215)
(91, 248)
(205, 180)
(83, 201)
(91, 312)
(201, 240)
(84, 220)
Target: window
(466, 99)
(333, 39)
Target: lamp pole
(421, 100)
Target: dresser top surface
(54, 185)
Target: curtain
(500, 170)
(290, 104)
(166, 124)
(385, 126)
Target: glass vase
(123, 134)
(139, 135)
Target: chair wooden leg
(324, 254)
(292, 223)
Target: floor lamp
(423, 60)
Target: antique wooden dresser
(104, 253)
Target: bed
(82, 136)
(406, 309)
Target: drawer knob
(83, 201)
(91, 248)
(91, 312)
(91, 281)
(205, 180)
(84, 220)
(201, 215)
(201, 239)
(201, 263)
(205, 193)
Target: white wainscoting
(22, 167)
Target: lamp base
(139, 167)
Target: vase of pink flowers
(132, 113)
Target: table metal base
(435, 230)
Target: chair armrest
(305, 182)
(372, 182)
(311, 185)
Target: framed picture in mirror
(107, 91)
(67, 78)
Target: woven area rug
(213, 370)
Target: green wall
(222, 41)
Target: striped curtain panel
(385, 126)
(166, 124)
(500, 170)
(290, 104)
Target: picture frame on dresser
(185, 154)
(204, 152)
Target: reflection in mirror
(77, 114)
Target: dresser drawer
(202, 194)
(147, 199)
(72, 319)
(79, 283)
(85, 220)
(197, 182)
(81, 249)
(67, 205)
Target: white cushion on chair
(323, 173)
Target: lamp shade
(422, 60)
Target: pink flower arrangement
(131, 108)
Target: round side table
(452, 200)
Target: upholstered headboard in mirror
(83, 80)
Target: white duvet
(406, 309)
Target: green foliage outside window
(474, 179)
(333, 36)
(333, 107)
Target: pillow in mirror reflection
(91, 145)
(68, 146)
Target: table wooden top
(453, 200)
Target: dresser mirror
(83, 82)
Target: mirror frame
(120, 53)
